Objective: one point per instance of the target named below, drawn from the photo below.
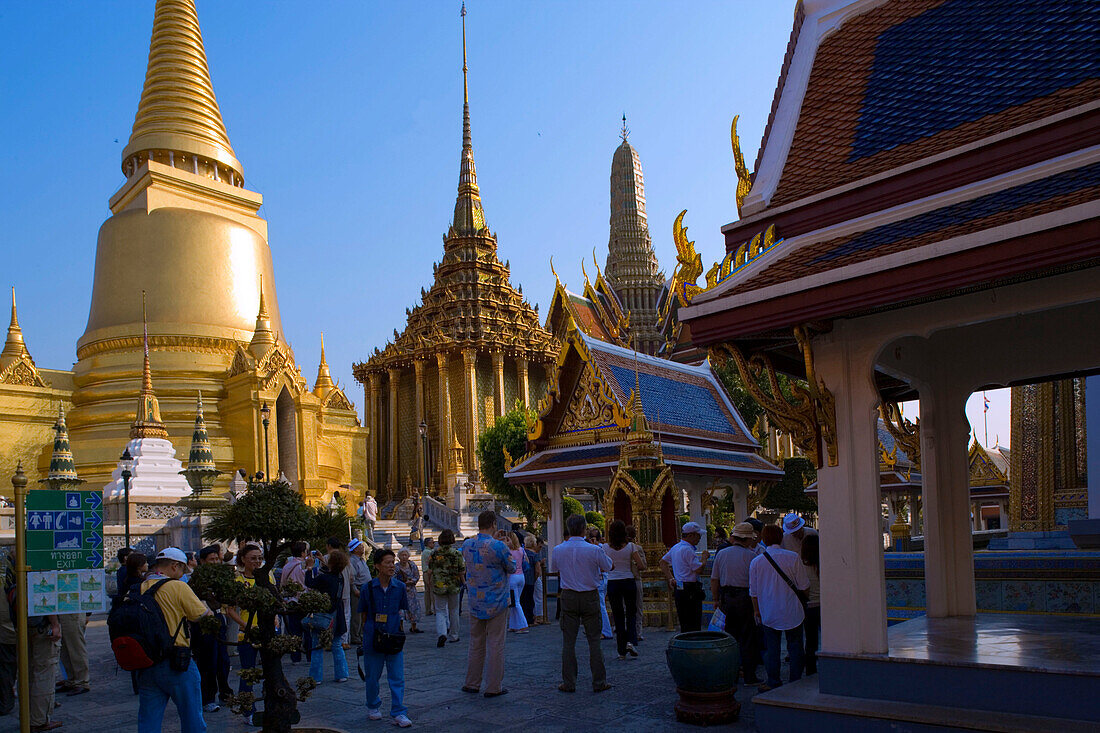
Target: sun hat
(172, 553)
(690, 528)
(792, 523)
(745, 531)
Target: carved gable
(22, 372)
(983, 472)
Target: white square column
(853, 601)
(948, 540)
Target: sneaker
(441, 642)
(621, 658)
(211, 707)
(342, 679)
(402, 721)
(631, 650)
(374, 714)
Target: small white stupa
(155, 482)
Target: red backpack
(139, 633)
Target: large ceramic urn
(704, 665)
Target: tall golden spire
(263, 337)
(324, 381)
(469, 216)
(147, 422)
(14, 347)
(178, 112)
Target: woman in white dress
(516, 620)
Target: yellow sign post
(22, 639)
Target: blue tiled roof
(584, 454)
(979, 208)
(963, 60)
(676, 403)
(710, 455)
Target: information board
(66, 591)
(64, 529)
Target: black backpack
(139, 633)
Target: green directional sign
(64, 529)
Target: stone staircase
(394, 534)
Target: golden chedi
(184, 228)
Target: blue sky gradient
(346, 116)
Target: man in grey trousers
(579, 565)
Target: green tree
(271, 515)
(570, 506)
(328, 522)
(508, 432)
(789, 494)
(596, 519)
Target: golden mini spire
(14, 347)
(469, 216)
(263, 337)
(147, 422)
(324, 381)
(178, 111)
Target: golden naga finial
(584, 272)
(689, 265)
(558, 279)
(744, 178)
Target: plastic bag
(717, 621)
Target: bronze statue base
(707, 708)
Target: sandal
(48, 726)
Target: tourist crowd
(764, 583)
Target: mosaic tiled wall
(1021, 582)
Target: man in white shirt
(729, 587)
(681, 568)
(794, 531)
(777, 606)
(579, 565)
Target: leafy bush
(508, 432)
(570, 506)
(596, 519)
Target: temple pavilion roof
(916, 150)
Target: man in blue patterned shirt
(488, 565)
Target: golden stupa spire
(178, 113)
(14, 347)
(263, 337)
(147, 422)
(324, 379)
(469, 216)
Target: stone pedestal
(706, 708)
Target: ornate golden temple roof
(16, 364)
(178, 110)
(471, 303)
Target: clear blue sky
(347, 118)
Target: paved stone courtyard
(641, 698)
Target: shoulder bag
(800, 594)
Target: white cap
(172, 553)
(691, 527)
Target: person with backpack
(174, 676)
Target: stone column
(914, 514)
(948, 541)
(695, 509)
(740, 489)
(1002, 514)
(393, 474)
(853, 603)
(469, 361)
(524, 381)
(444, 413)
(374, 472)
(418, 366)
(554, 529)
(498, 381)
